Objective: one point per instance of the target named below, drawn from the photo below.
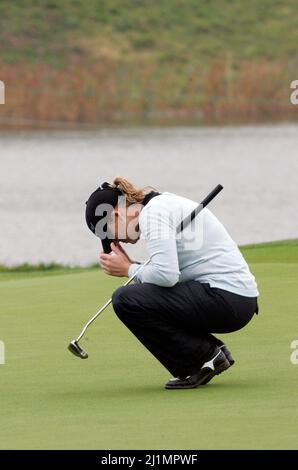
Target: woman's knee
(120, 300)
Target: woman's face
(123, 225)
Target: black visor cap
(106, 195)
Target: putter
(74, 346)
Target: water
(46, 177)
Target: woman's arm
(159, 231)
(163, 269)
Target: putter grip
(212, 195)
(198, 209)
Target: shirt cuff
(133, 269)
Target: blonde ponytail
(133, 195)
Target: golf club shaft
(180, 227)
(109, 302)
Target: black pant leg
(166, 323)
(176, 324)
(230, 311)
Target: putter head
(76, 349)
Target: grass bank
(252, 253)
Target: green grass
(27, 270)
(284, 252)
(178, 31)
(115, 399)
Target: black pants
(175, 323)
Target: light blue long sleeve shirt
(204, 251)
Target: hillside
(114, 59)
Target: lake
(46, 177)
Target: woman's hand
(116, 263)
(117, 245)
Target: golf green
(115, 399)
